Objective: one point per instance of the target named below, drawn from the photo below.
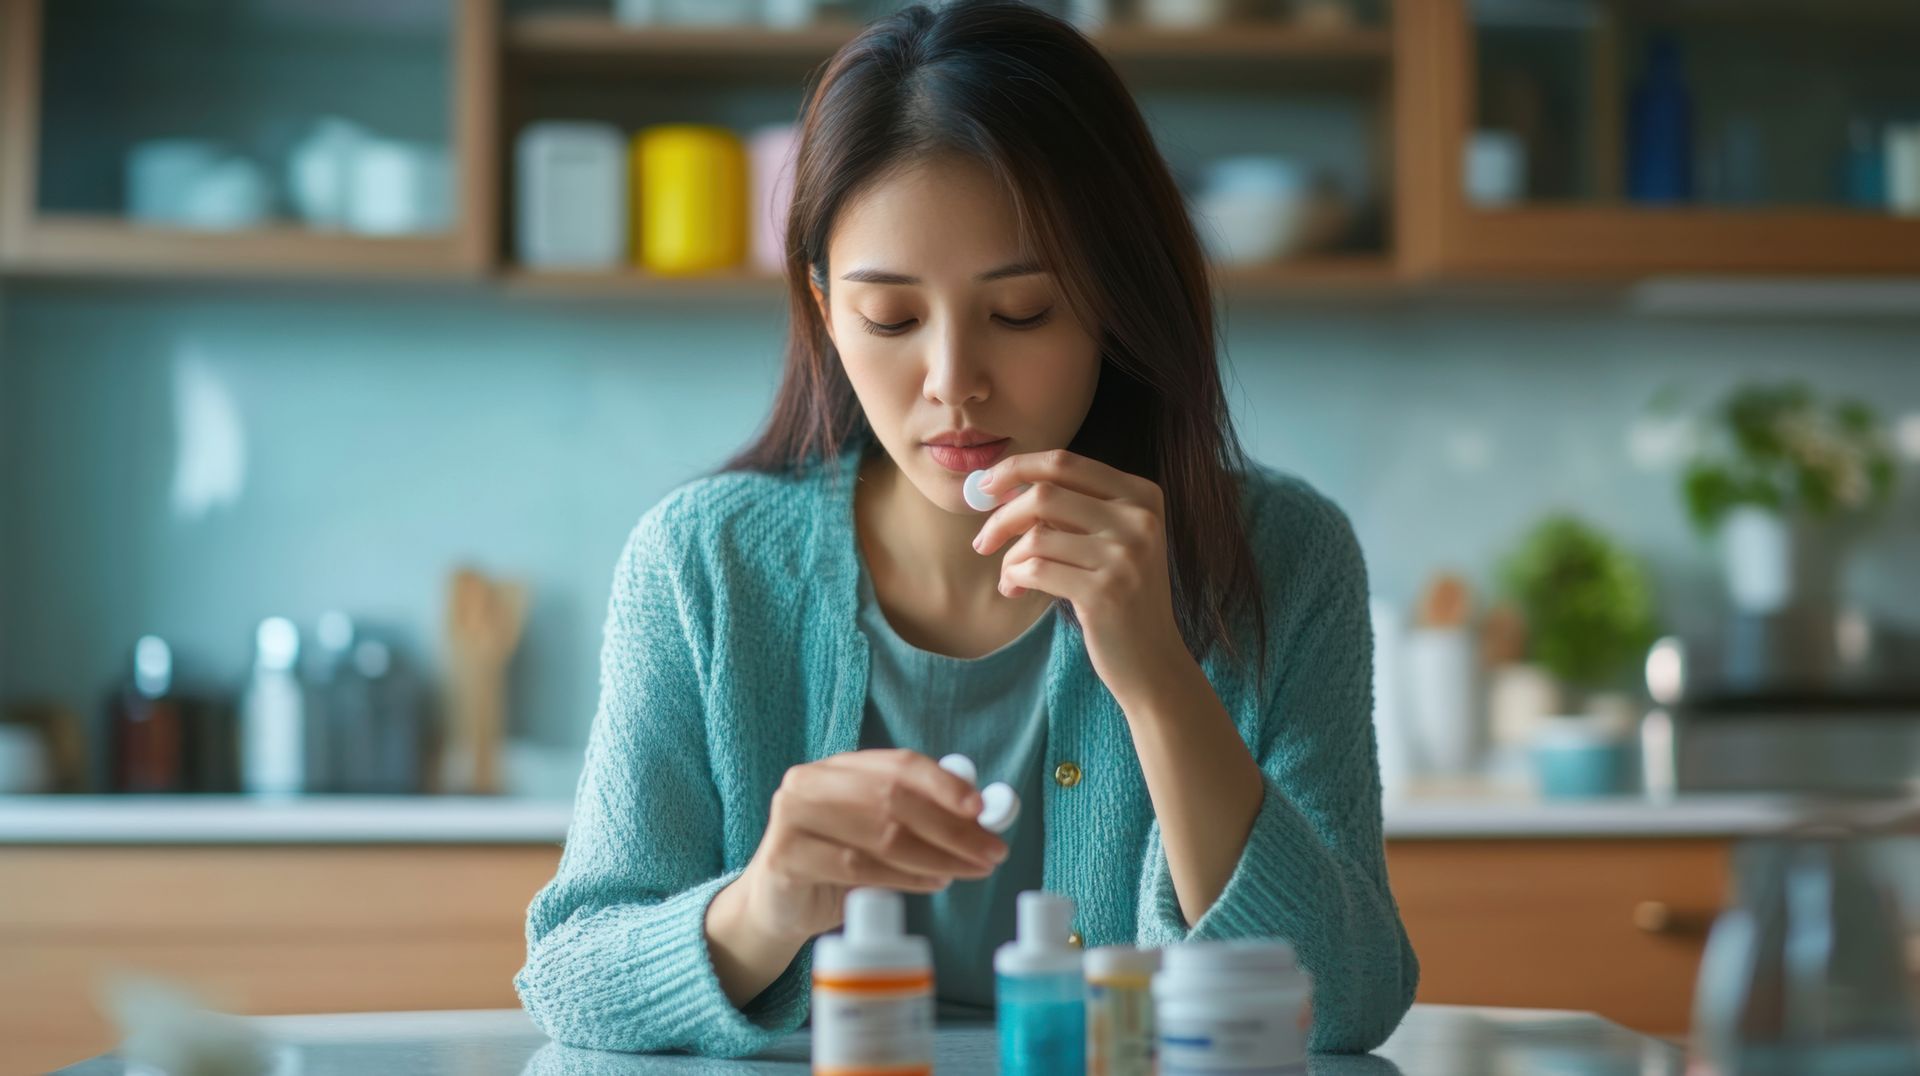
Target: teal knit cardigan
(732, 652)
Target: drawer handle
(1659, 917)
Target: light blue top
(733, 651)
(992, 709)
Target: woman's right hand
(887, 817)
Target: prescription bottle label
(1270, 1043)
(1119, 1027)
(872, 1026)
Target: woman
(1163, 647)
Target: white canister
(1903, 168)
(1390, 734)
(24, 765)
(1185, 14)
(770, 157)
(570, 209)
(1232, 1006)
(1441, 698)
(1496, 168)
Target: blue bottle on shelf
(1039, 991)
(1660, 129)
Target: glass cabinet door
(238, 133)
(1711, 104)
(1631, 136)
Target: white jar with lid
(1232, 1006)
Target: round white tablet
(962, 767)
(978, 499)
(1001, 805)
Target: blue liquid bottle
(1039, 993)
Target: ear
(814, 282)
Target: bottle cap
(1040, 946)
(874, 937)
(1229, 967)
(1121, 962)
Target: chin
(943, 488)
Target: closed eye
(1033, 322)
(878, 329)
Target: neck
(904, 535)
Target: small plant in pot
(1780, 477)
(1589, 611)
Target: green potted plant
(1587, 603)
(1779, 474)
(1589, 615)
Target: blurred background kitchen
(343, 341)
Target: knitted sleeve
(1313, 871)
(616, 944)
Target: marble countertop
(501, 820)
(1434, 1040)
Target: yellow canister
(689, 199)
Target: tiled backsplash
(186, 461)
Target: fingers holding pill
(809, 857)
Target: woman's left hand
(1095, 536)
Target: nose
(955, 372)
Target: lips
(967, 458)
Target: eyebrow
(886, 276)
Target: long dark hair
(1033, 100)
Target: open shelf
(77, 245)
(1266, 52)
(1316, 275)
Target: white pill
(1001, 807)
(978, 499)
(962, 767)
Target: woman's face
(947, 328)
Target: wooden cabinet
(1558, 78)
(1614, 927)
(1769, 189)
(239, 81)
(258, 930)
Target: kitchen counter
(281, 820)
(1434, 1040)
(505, 820)
(1484, 815)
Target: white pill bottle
(873, 992)
(1232, 1006)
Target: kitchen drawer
(1614, 927)
(229, 888)
(257, 930)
